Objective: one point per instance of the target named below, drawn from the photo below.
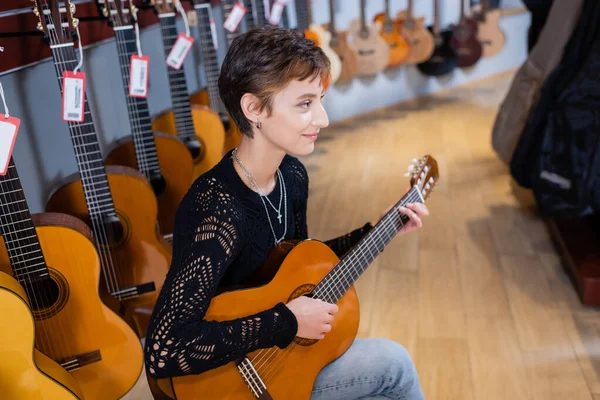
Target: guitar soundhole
(301, 291)
(116, 229)
(196, 149)
(47, 296)
(159, 184)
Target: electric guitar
(444, 58)
(117, 202)
(465, 41)
(373, 51)
(420, 38)
(163, 159)
(54, 259)
(339, 44)
(490, 35)
(294, 269)
(391, 32)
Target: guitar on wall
(465, 41)
(444, 58)
(391, 31)
(117, 202)
(162, 158)
(54, 259)
(373, 51)
(490, 35)
(420, 38)
(197, 126)
(339, 44)
(295, 269)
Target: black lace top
(221, 236)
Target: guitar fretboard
(303, 14)
(177, 83)
(261, 12)
(137, 108)
(20, 238)
(248, 18)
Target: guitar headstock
(56, 22)
(119, 12)
(424, 174)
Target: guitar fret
(27, 262)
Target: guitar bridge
(134, 291)
(80, 360)
(252, 379)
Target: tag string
(4, 101)
(137, 32)
(80, 52)
(184, 16)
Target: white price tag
(179, 51)
(235, 17)
(73, 96)
(138, 76)
(267, 6)
(8, 134)
(213, 32)
(276, 12)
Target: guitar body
(490, 35)
(465, 41)
(399, 46)
(373, 52)
(419, 38)
(209, 132)
(25, 373)
(139, 254)
(177, 170)
(347, 56)
(299, 269)
(444, 58)
(76, 322)
(324, 40)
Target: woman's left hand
(414, 211)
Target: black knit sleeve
(340, 245)
(179, 340)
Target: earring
(257, 124)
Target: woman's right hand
(314, 316)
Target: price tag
(213, 31)
(73, 96)
(235, 17)
(179, 51)
(267, 9)
(138, 76)
(8, 134)
(276, 12)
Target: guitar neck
(303, 14)
(332, 27)
(177, 82)
(333, 286)
(20, 237)
(261, 12)
(209, 56)
(462, 10)
(436, 17)
(137, 107)
(363, 16)
(228, 6)
(85, 145)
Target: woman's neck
(261, 158)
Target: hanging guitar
(56, 263)
(198, 127)
(420, 38)
(391, 32)
(444, 58)
(118, 203)
(162, 158)
(373, 52)
(339, 44)
(490, 34)
(293, 269)
(465, 41)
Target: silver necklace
(282, 197)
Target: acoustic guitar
(295, 269)
(373, 52)
(25, 372)
(464, 39)
(444, 58)
(339, 44)
(54, 259)
(117, 202)
(163, 159)
(490, 34)
(197, 126)
(391, 32)
(419, 38)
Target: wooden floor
(478, 296)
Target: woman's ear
(251, 107)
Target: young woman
(272, 85)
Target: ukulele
(199, 127)
(490, 35)
(294, 269)
(117, 202)
(373, 52)
(163, 159)
(419, 38)
(54, 259)
(339, 44)
(391, 32)
(27, 374)
(444, 57)
(464, 39)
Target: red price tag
(138, 76)
(235, 17)
(8, 134)
(73, 96)
(179, 51)
(276, 12)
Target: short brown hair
(262, 62)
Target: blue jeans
(369, 369)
